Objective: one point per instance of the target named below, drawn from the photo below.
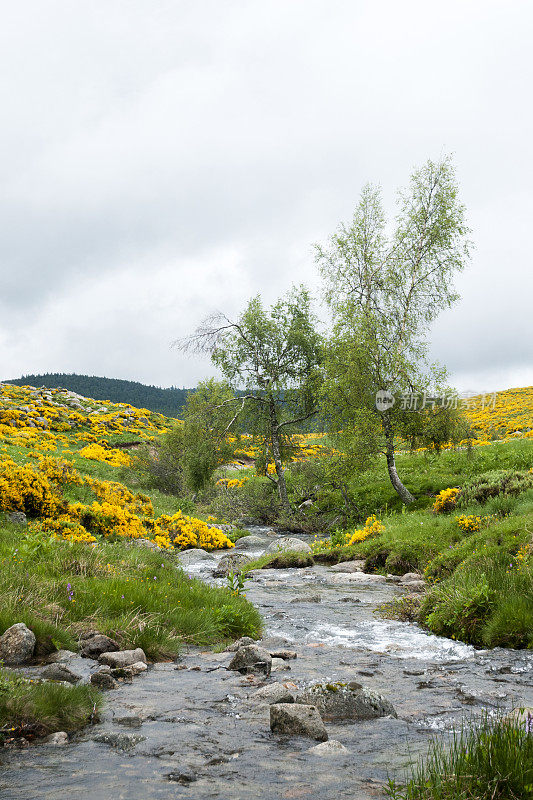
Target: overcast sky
(161, 160)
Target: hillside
(165, 401)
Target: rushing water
(193, 730)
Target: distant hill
(165, 401)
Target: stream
(191, 728)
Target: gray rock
(129, 721)
(188, 557)
(414, 586)
(274, 693)
(288, 544)
(287, 655)
(411, 576)
(251, 658)
(307, 598)
(59, 672)
(278, 665)
(250, 543)
(330, 748)
(138, 667)
(58, 739)
(17, 644)
(298, 720)
(348, 566)
(17, 517)
(122, 741)
(60, 656)
(124, 658)
(234, 562)
(146, 543)
(103, 680)
(242, 642)
(339, 701)
(97, 644)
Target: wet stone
(297, 720)
(122, 741)
(181, 776)
(60, 672)
(103, 680)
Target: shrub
(495, 483)
(446, 500)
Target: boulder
(124, 658)
(339, 701)
(274, 693)
(233, 562)
(60, 672)
(17, 644)
(103, 680)
(96, 644)
(298, 720)
(330, 748)
(289, 543)
(251, 658)
(188, 558)
(250, 543)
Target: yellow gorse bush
(446, 500)
(372, 527)
(112, 456)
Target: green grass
(487, 760)
(426, 474)
(138, 596)
(29, 708)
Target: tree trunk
(276, 453)
(404, 493)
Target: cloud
(167, 158)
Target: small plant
(236, 582)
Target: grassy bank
(60, 588)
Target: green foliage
(495, 484)
(274, 356)
(383, 292)
(488, 759)
(255, 502)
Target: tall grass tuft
(491, 759)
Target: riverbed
(192, 729)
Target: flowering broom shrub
(446, 500)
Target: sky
(162, 160)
